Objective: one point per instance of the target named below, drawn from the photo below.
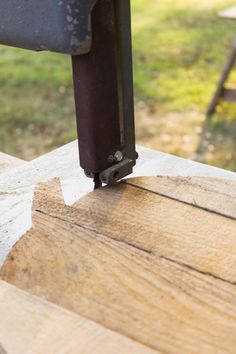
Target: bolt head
(118, 156)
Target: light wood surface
(17, 186)
(30, 325)
(229, 13)
(8, 162)
(142, 260)
(213, 194)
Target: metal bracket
(103, 84)
(117, 172)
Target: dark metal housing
(97, 34)
(57, 25)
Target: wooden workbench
(146, 266)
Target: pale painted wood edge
(212, 194)
(8, 163)
(32, 325)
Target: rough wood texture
(17, 186)
(30, 325)
(212, 194)
(8, 162)
(158, 270)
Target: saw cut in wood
(140, 258)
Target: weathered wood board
(8, 162)
(30, 325)
(149, 259)
(17, 186)
(212, 194)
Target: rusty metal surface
(56, 25)
(96, 92)
(104, 94)
(124, 48)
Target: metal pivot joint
(103, 87)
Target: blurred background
(179, 49)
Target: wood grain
(154, 269)
(156, 224)
(30, 325)
(212, 194)
(17, 186)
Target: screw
(118, 156)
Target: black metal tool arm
(97, 34)
(62, 26)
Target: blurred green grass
(179, 48)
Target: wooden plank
(32, 325)
(111, 212)
(17, 187)
(151, 268)
(213, 194)
(8, 162)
